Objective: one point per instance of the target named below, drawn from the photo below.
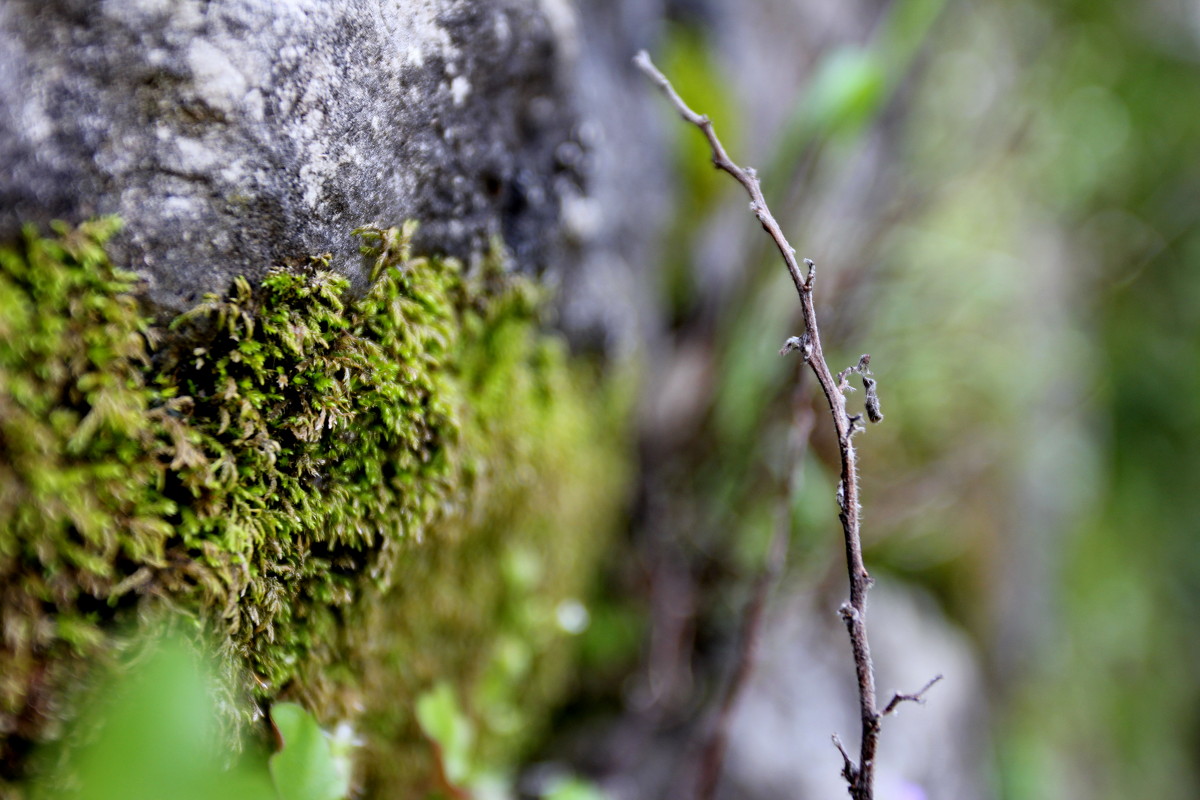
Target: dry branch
(860, 776)
(712, 754)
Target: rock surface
(236, 134)
(614, 230)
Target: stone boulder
(232, 135)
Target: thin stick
(859, 777)
(712, 755)
(916, 697)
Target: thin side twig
(916, 697)
(860, 776)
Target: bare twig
(712, 756)
(917, 697)
(860, 777)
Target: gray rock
(232, 135)
(608, 298)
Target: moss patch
(358, 495)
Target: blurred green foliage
(688, 60)
(1120, 97)
(748, 465)
(844, 93)
(153, 730)
(443, 721)
(1053, 147)
(453, 735)
(1021, 261)
(306, 767)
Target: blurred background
(1002, 199)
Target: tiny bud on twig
(873, 411)
(803, 343)
(849, 771)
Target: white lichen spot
(350, 154)
(234, 172)
(313, 176)
(194, 155)
(502, 28)
(460, 87)
(216, 79)
(254, 105)
(290, 54)
(416, 30)
(135, 10)
(181, 208)
(314, 122)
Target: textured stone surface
(236, 134)
(614, 230)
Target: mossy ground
(357, 496)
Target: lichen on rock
(238, 134)
(357, 494)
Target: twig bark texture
(859, 776)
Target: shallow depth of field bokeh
(1003, 200)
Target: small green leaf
(152, 732)
(305, 769)
(848, 88)
(442, 720)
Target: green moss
(338, 486)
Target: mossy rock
(358, 497)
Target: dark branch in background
(712, 754)
(860, 776)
